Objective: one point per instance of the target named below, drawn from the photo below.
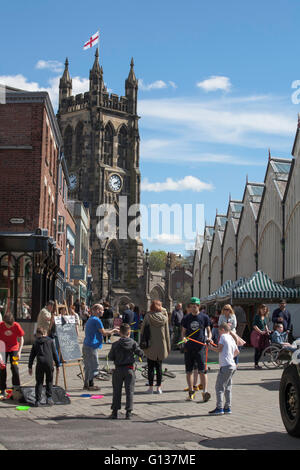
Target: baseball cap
(195, 300)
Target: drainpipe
(283, 242)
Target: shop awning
(224, 293)
(261, 286)
(224, 290)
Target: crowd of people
(151, 335)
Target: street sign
(78, 272)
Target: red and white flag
(92, 41)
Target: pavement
(160, 422)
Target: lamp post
(108, 269)
(103, 248)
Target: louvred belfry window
(122, 148)
(108, 145)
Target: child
(227, 350)
(44, 350)
(122, 354)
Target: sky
(217, 89)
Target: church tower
(101, 146)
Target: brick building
(30, 143)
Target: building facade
(30, 143)
(260, 232)
(101, 145)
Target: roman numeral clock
(114, 183)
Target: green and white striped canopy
(261, 286)
(224, 290)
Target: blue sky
(215, 84)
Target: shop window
(7, 283)
(24, 288)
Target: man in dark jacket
(44, 350)
(123, 354)
(128, 315)
(176, 319)
(282, 315)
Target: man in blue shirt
(194, 325)
(94, 333)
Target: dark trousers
(257, 355)
(157, 365)
(14, 371)
(40, 371)
(127, 376)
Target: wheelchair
(275, 355)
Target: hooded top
(123, 352)
(159, 343)
(44, 350)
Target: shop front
(29, 264)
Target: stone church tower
(101, 145)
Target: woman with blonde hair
(158, 348)
(228, 316)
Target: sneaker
(191, 396)
(206, 396)
(114, 415)
(150, 390)
(216, 411)
(227, 411)
(257, 367)
(159, 391)
(50, 402)
(93, 388)
(36, 404)
(128, 415)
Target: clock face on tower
(73, 182)
(114, 183)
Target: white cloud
(181, 151)
(80, 85)
(215, 83)
(167, 239)
(157, 85)
(246, 121)
(188, 183)
(52, 65)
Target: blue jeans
(91, 364)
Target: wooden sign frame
(66, 364)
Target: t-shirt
(259, 322)
(192, 323)
(93, 337)
(9, 336)
(226, 356)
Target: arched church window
(122, 148)
(79, 142)
(68, 137)
(108, 145)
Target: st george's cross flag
(92, 41)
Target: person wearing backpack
(157, 346)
